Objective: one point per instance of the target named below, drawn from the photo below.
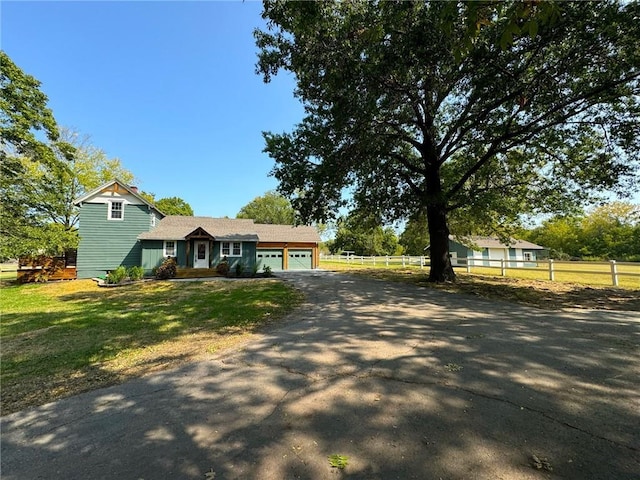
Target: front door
(201, 254)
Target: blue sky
(169, 88)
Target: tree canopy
(409, 110)
(174, 206)
(364, 237)
(271, 208)
(609, 231)
(23, 113)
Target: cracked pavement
(406, 382)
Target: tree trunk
(441, 269)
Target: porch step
(196, 272)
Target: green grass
(53, 332)
(543, 294)
(8, 271)
(579, 274)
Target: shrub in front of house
(135, 273)
(167, 270)
(118, 275)
(223, 268)
(239, 269)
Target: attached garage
(300, 259)
(285, 247)
(271, 258)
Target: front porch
(188, 272)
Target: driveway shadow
(405, 382)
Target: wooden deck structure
(42, 268)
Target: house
(118, 227)
(110, 220)
(202, 242)
(488, 251)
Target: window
(527, 256)
(170, 248)
(116, 211)
(231, 249)
(153, 220)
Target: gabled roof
(87, 196)
(174, 227)
(494, 242)
(178, 227)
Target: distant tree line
(609, 232)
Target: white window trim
(230, 254)
(175, 248)
(109, 210)
(529, 255)
(153, 220)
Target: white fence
(615, 270)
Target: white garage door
(300, 259)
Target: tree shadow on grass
(103, 337)
(543, 294)
(405, 382)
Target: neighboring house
(481, 250)
(195, 242)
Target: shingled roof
(175, 227)
(286, 233)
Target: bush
(168, 269)
(267, 271)
(136, 273)
(239, 269)
(223, 268)
(117, 275)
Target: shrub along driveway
(403, 381)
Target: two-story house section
(110, 221)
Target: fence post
(362, 260)
(614, 273)
(551, 273)
(403, 261)
(386, 263)
(421, 262)
(502, 269)
(374, 261)
(468, 264)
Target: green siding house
(200, 242)
(489, 251)
(119, 227)
(111, 218)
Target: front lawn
(59, 339)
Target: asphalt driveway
(405, 382)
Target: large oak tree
(410, 109)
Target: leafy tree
(364, 238)
(23, 113)
(174, 206)
(52, 189)
(560, 234)
(610, 231)
(409, 110)
(415, 237)
(270, 208)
